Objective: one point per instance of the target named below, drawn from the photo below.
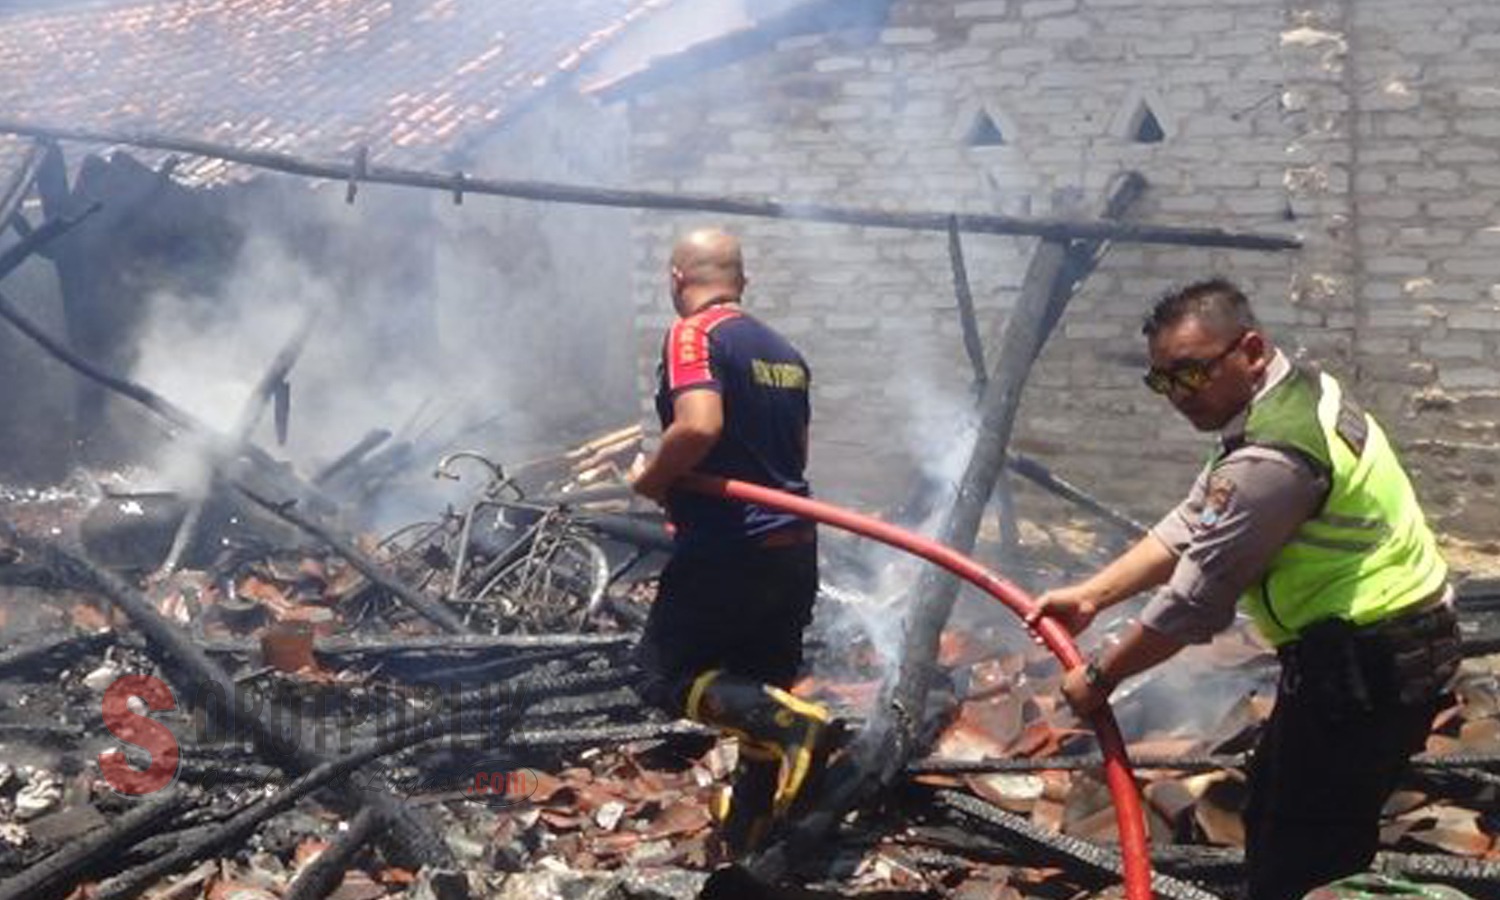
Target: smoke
(207, 353)
(685, 24)
(437, 329)
(939, 434)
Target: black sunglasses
(1190, 375)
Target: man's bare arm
(1146, 565)
(1141, 649)
(697, 424)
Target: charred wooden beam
(263, 465)
(884, 748)
(497, 666)
(1042, 477)
(430, 609)
(354, 454)
(1084, 255)
(506, 704)
(646, 532)
(1195, 861)
(15, 190)
(54, 734)
(978, 223)
(323, 875)
(217, 772)
(1055, 272)
(596, 494)
(1074, 763)
(532, 688)
(1080, 260)
(37, 240)
(964, 295)
(62, 649)
(603, 735)
(1479, 874)
(1071, 852)
(222, 457)
(57, 875)
(206, 841)
(1198, 862)
(408, 838)
(444, 643)
(146, 397)
(1025, 329)
(1190, 762)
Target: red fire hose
(1129, 818)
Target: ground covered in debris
(329, 704)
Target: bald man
(724, 639)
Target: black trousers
(741, 609)
(1352, 708)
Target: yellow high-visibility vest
(1368, 554)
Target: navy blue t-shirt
(763, 382)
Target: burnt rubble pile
(446, 712)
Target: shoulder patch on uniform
(1216, 499)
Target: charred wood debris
(336, 696)
(444, 710)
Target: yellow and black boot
(792, 730)
(744, 808)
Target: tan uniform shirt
(1236, 517)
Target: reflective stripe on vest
(1368, 554)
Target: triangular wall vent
(985, 132)
(1146, 128)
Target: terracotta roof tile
(314, 77)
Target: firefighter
(723, 642)
(1305, 516)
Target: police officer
(1305, 516)
(724, 638)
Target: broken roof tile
(183, 67)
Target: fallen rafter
(458, 184)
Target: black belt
(1411, 656)
(790, 536)
(1417, 621)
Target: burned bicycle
(509, 564)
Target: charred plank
(1049, 229)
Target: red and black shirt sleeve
(688, 355)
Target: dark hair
(1216, 302)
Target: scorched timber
(459, 184)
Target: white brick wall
(1375, 132)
